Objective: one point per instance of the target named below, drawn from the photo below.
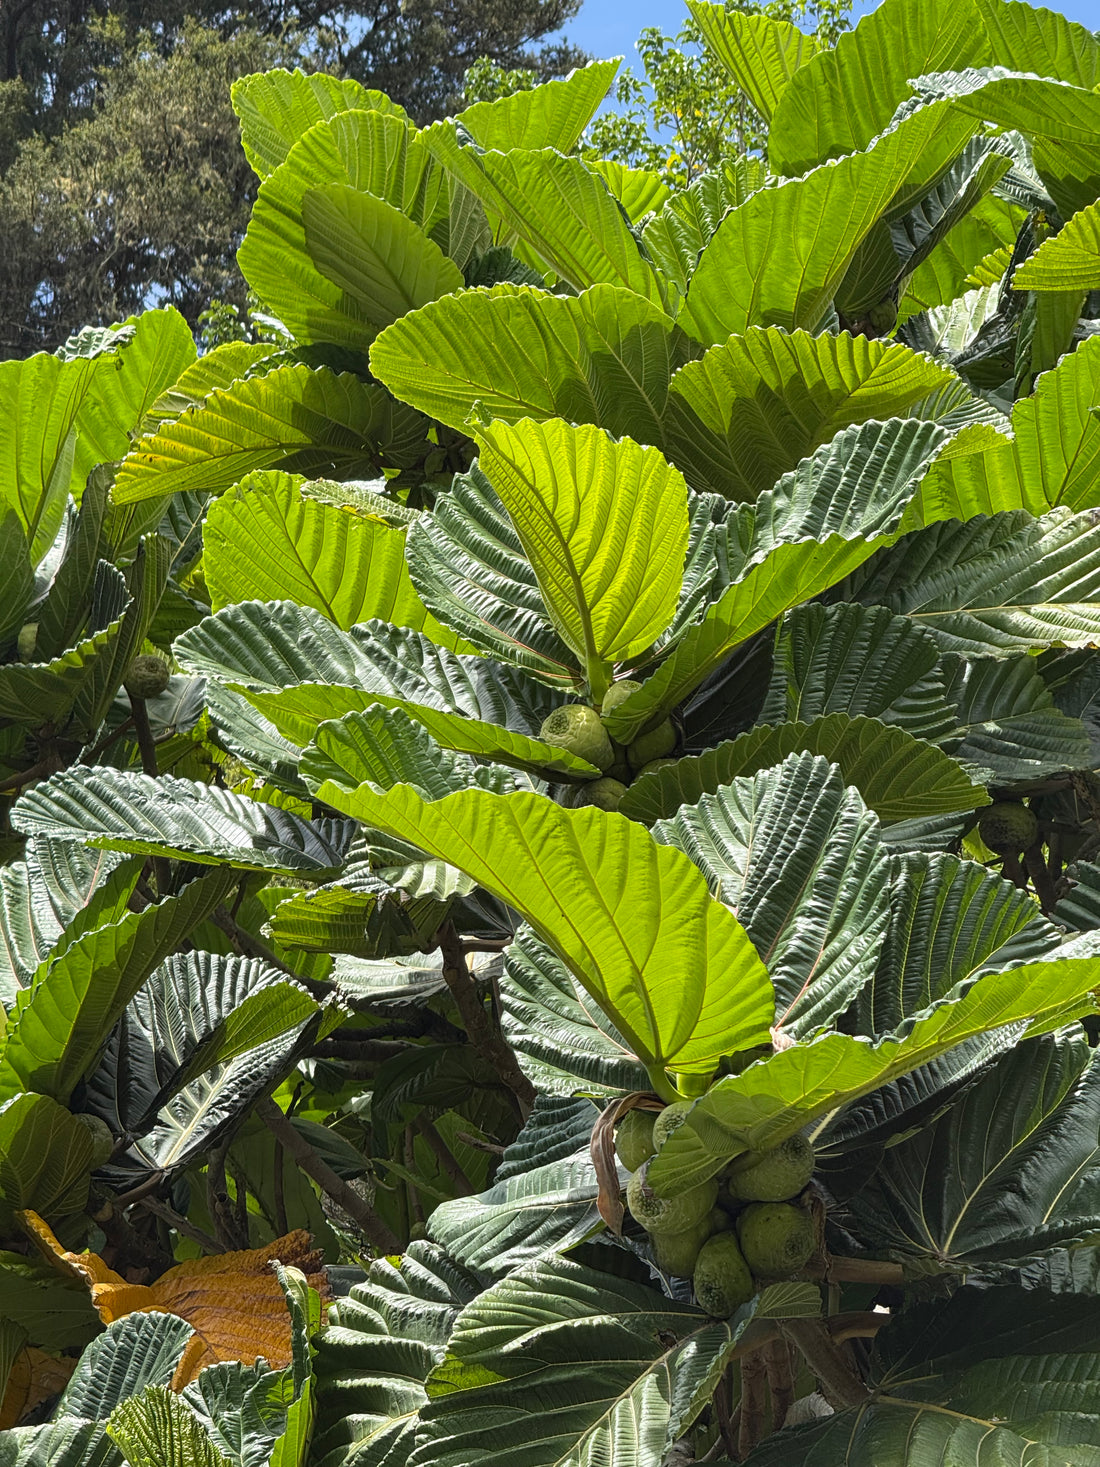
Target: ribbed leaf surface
(549, 116)
(1069, 261)
(312, 421)
(45, 1157)
(133, 1352)
(760, 54)
(633, 920)
(156, 1429)
(276, 107)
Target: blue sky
(610, 27)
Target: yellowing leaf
(35, 1377)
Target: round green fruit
(676, 1252)
(604, 793)
(775, 1175)
(655, 744)
(655, 764)
(103, 1143)
(668, 1214)
(776, 1238)
(1008, 828)
(146, 677)
(618, 693)
(28, 636)
(670, 1119)
(576, 728)
(634, 1138)
(722, 1279)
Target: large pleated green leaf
(686, 221)
(603, 357)
(1009, 1170)
(567, 216)
(1053, 457)
(861, 661)
(62, 1020)
(750, 409)
(796, 857)
(1006, 1374)
(1048, 109)
(640, 191)
(898, 776)
(633, 920)
(123, 810)
(298, 670)
(604, 525)
(468, 565)
(601, 1349)
(997, 586)
(1031, 38)
(563, 1042)
(1068, 261)
(1008, 725)
(312, 421)
(847, 95)
(157, 1429)
(779, 1095)
(275, 108)
(759, 53)
(267, 541)
(45, 1157)
(822, 520)
(949, 921)
(549, 116)
(131, 1353)
(201, 1040)
(62, 1443)
(742, 280)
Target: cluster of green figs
(730, 1234)
(579, 728)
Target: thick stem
(445, 1156)
(1040, 878)
(374, 1228)
(218, 1202)
(489, 1042)
(281, 1227)
(147, 747)
(840, 1384)
(181, 1224)
(777, 1367)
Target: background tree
(122, 184)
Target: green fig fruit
(655, 744)
(618, 693)
(577, 728)
(28, 636)
(668, 1214)
(775, 1175)
(1008, 828)
(146, 677)
(776, 1238)
(676, 1252)
(722, 1279)
(634, 1138)
(604, 793)
(670, 1119)
(103, 1143)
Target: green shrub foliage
(617, 671)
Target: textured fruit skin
(655, 764)
(634, 1138)
(618, 693)
(577, 728)
(722, 1278)
(668, 1214)
(28, 636)
(670, 1119)
(775, 1175)
(103, 1143)
(146, 677)
(604, 793)
(656, 744)
(1008, 828)
(776, 1238)
(676, 1252)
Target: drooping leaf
(552, 115)
(45, 1157)
(777, 1096)
(311, 421)
(277, 107)
(657, 977)
(759, 53)
(126, 811)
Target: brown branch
(860, 1324)
(777, 1367)
(445, 1156)
(374, 1228)
(750, 1430)
(489, 1042)
(92, 754)
(479, 1143)
(181, 1224)
(858, 1271)
(218, 1202)
(281, 1227)
(840, 1384)
(1040, 878)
